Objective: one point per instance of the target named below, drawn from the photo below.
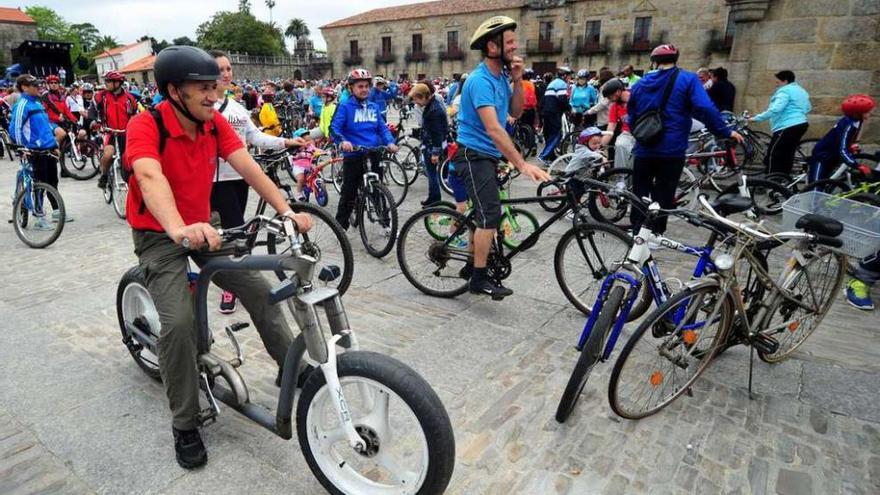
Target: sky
(128, 20)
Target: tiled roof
(139, 65)
(118, 49)
(16, 16)
(425, 9)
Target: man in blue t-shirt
(487, 99)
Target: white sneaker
(56, 215)
(43, 224)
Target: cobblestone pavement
(77, 416)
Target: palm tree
(105, 42)
(271, 5)
(296, 28)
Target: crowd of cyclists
(185, 143)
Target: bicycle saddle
(730, 204)
(817, 224)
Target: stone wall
(831, 46)
(259, 68)
(11, 35)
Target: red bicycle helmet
(359, 75)
(52, 79)
(114, 76)
(855, 106)
(665, 54)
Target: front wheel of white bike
(410, 447)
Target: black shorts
(478, 173)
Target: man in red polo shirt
(115, 107)
(169, 202)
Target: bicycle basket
(861, 222)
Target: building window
(417, 43)
(386, 45)
(545, 31)
(642, 32)
(353, 48)
(451, 40)
(593, 31)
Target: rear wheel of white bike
(410, 447)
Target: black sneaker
(227, 302)
(489, 288)
(190, 450)
(430, 202)
(466, 271)
(102, 181)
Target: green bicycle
(517, 224)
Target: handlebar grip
(827, 240)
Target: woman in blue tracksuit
(787, 113)
(381, 96)
(838, 145)
(357, 122)
(657, 166)
(583, 97)
(435, 127)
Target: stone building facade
(831, 45)
(15, 27)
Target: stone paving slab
(85, 419)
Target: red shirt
(189, 166)
(617, 114)
(115, 110)
(53, 102)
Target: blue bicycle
(38, 210)
(616, 302)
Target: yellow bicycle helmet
(489, 29)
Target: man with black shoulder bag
(660, 108)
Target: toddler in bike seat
(586, 156)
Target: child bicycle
(375, 211)
(366, 423)
(37, 222)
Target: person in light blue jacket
(787, 113)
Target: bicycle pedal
(765, 344)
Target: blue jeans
(432, 174)
(868, 269)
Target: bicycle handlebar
(763, 236)
(278, 225)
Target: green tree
(105, 42)
(240, 32)
(157, 46)
(271, 5)
(87, 33)
(296, 28)
(183, 40)
(244, 6)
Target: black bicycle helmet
(612, 86)
(177, 64)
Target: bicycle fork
(304, 309)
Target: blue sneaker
(858, 294)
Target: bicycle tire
(517, 225)
(767, 196)
(828, 186)
(557, 166)
(39, 192)
(410, 391)
(120, 195)
(591, 353)
(86, 167)
(135, 282)
(420, 247)
(867, 198)
(408, 156)
(313, 245)
(554, 190)
(618, 208)
(336, 176)
(671, 341)
(444, 172)
(377, 207)
(398, 186)
(785, 308)
(601, 260)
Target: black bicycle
(325, 241)
(435, 251)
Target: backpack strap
(163, 132)
(668, 90)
